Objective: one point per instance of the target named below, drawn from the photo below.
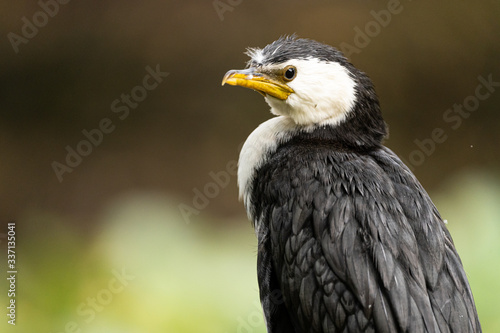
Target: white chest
(262, 142)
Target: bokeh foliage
(199, 277)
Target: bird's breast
(261, 143)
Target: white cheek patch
(324, 93)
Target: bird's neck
(358, 133)
(262, 142)
(363, 129)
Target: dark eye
(289, 73)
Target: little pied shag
(348, 240)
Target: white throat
(262, 141)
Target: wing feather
(358, 246)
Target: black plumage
(348, 239)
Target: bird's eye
(289, 73)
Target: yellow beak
(249, 78)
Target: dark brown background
(64, 79)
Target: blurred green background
(106, 247)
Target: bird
(348, 240)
